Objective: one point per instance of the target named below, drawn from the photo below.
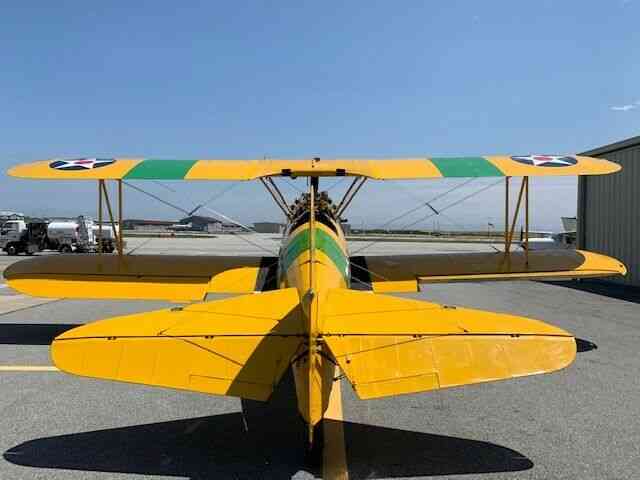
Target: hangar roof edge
(613, 147)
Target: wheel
(65, 249)
(12, 250)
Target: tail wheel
(313, 455)
(12, 250)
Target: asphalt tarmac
(579, 423)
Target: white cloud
(626, 108)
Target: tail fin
(388, 346)
(239, 346)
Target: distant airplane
(314, 307)
(548, 240)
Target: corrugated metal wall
(609, 209)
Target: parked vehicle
(108, 237)
(66, 236)
(80, 235)
(17, 236)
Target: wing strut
(509, 230)
(120, 227)
(526, 221)
(100, 182)
(117, 232)
(277, 196)
(353, 189)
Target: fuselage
(313, 265)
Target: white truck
(80, 235)
(66, 236)
(17, 236)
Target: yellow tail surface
(239, 346)
(388, 346)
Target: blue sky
(297, 79)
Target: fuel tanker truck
(80, 235)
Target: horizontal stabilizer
(146, 277)
(389, 346)
(239, 346)
(403, 273)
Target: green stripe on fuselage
(151, 169)
(324, 242)
(466, 167)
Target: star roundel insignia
(81, 163)
(546, 160)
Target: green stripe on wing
(152, 169)
(466, 167)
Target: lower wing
(403, 273)
(148, 277)
(389, 346)
(239, 346)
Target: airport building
(144, 225)
(609, 208)
(198, 223)
(268, 227)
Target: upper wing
(403, 273)
(149, 277)
(239, 346)
(388, 346)
(379, 169)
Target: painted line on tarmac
(334, 456)
(22, 302)
(28, 368)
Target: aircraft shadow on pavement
(32, 333)
(266, 440)
(627, 293)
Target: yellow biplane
(313, 308)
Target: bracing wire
(457, 202)
(215, 196)
(143, 244)
(422, 205)
(335, 184)
(293, 185)
(428, 203)
(453, 221)
(198, 206)
(426, 217)
(272, 252)
(165, 186)
(180, 209)
(155, 197)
